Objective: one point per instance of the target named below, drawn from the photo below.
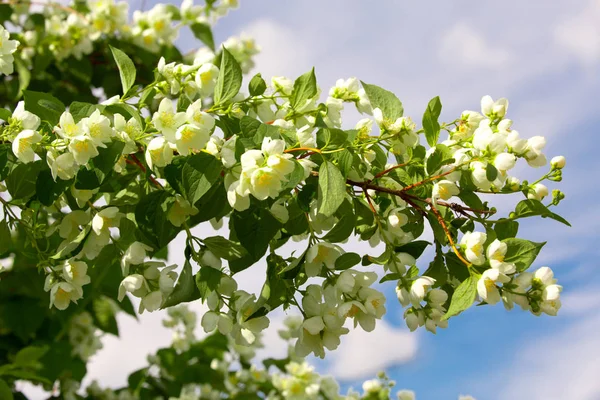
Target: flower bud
(558, 162)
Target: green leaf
(185, 290)
(126, 110)
(126, 67)
(386, 101)
(69, 247)
(305, 88)
(521, 252)
(332, 189)
(199, 173)
(342, 230)
(207, 280)
(5, 390)
(21, 182)
(491, 173)
(463, 296)
(104, 315)
(506, 228)
(80, 110)
(347, 260)
(224, 248)
(5, 237)
(415, 248)
(47, 189)
(44, 105)
(431, 126)
(254, 230)
(204, 34)
(437, 269)
(5, 114)
(532, 208)
(151, 217)
(438, 158)
(229, 80)
(29, 356)
(257, 85)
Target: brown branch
(143, 168)
(431, 178)
(382, 173)
(448, 234)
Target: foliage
(113, 143)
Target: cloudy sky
(542, 55)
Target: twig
(382, 173)
(143, 168)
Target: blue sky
(545, 57)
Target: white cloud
(363, 354)
(283, 50)
(468, 48)
(580, 34)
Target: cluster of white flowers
(65, 283)
(84, 336)
(151, 281)
(7, 48)
(427, 304)
(183, 132)
(183, 322)
(68, 32)
(262, 173)
(486, 138)
(302, 382)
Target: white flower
(372, 386)
(69, 226)
(201, 119)
(63, 166)
(418, 289)
(106, 218)
(158, 153)
(544, 276)
(320, 254)
(22, 145)
(75, 272)
(265, 182)
(533, 151)
(180, 210)
(83, 148)
(486, 285)
(134, 255)
(538, 193)
(62, 293)
(444, 190)
(26, 119)
(7, 48)
(151, 302)
(206, 79)
(496, 252)
(67, 128)
(473, 245)
(494, 109)
(166, 120)
(406, 395)
(558, 162)
(282, 84)
(97, 126)
(515, 143)
(210, 319)
(505, 161)
(190, 137)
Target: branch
(143, 168)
